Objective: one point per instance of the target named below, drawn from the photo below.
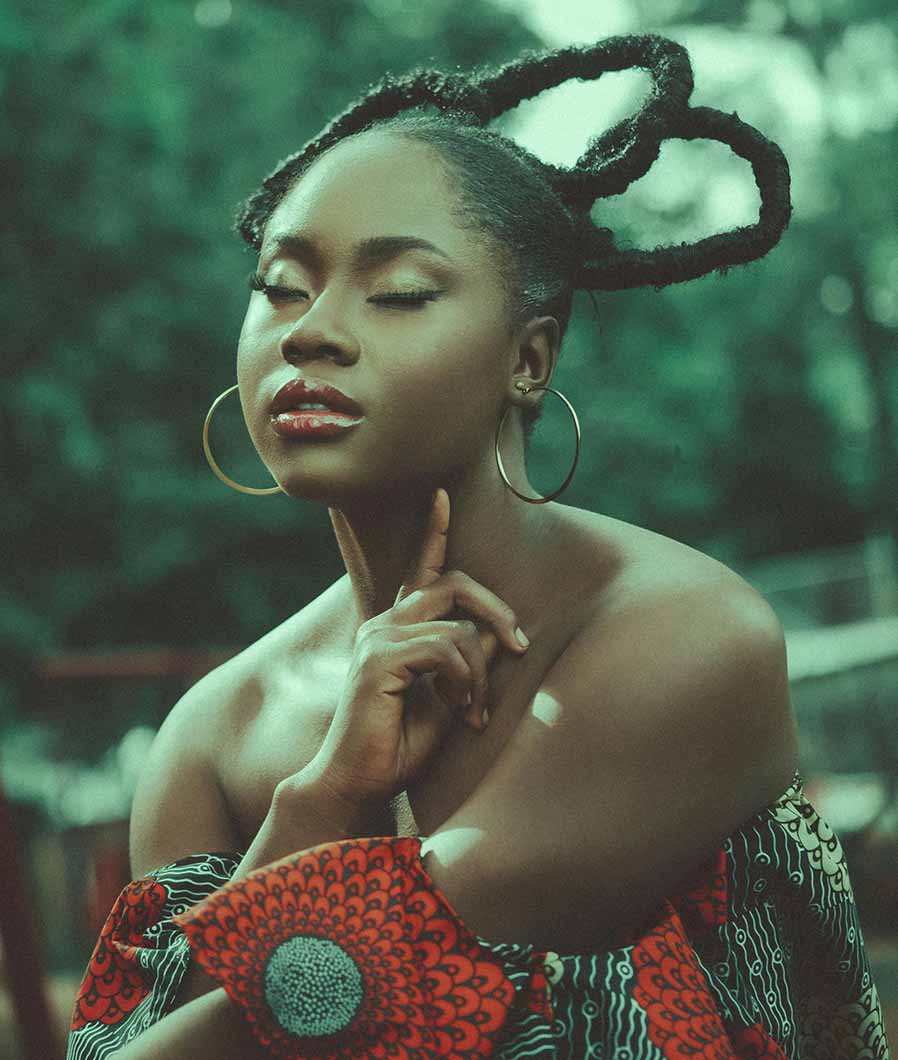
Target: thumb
(428, 565)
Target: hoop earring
(224, 478)
(525, 389)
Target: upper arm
(654, 736)
(178, 806)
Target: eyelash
(274, 292)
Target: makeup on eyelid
(274, 292)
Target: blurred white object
(831, 649)
(848, 801)
(73, 793)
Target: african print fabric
(349, 949)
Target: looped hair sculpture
(611, 162)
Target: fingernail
(522, 638)
(486, 715)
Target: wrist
(311, 796)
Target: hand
(412, 670)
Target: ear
(536, 350)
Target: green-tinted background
(746, 415)
(750, 415)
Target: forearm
(203, 1021)
(210, 1027)
(301, 816)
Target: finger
(433, 551)
(457, 591)
(489, 644)
(477, 647)
(429, 719)
(470, 645)
(441, 664)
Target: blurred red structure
(21, 947)
(130, 664)
(106, 846)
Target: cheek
(249, 346)
(446, 400)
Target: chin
(327, 491)
(314, 490)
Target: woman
(393, 828)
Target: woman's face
(431, 377)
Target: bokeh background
(751, 415)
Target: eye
(414, 299)
(271, 291)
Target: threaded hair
(534, 217)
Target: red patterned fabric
(348, 950)
(114, 982)
(682, 1016)
(756, 955)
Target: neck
(494, 537)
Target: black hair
(537, 216)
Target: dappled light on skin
(452, 845)
(547, 709)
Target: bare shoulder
(676, 618)
(650, 565)
(224, 701)
(187, 765)
(680, 632)
(666, 592)
(662, 726)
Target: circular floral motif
(312, 986)
(426, 987)
(114, 982)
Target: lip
(298, 391)
(316, 423)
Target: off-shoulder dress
(350, 950)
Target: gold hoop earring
(224, 478)
(525, 389)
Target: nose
(316, 334)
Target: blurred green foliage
(746, 415)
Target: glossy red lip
(299, 391)
(316, 423)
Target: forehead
(369, 185)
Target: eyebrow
(368, 252)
